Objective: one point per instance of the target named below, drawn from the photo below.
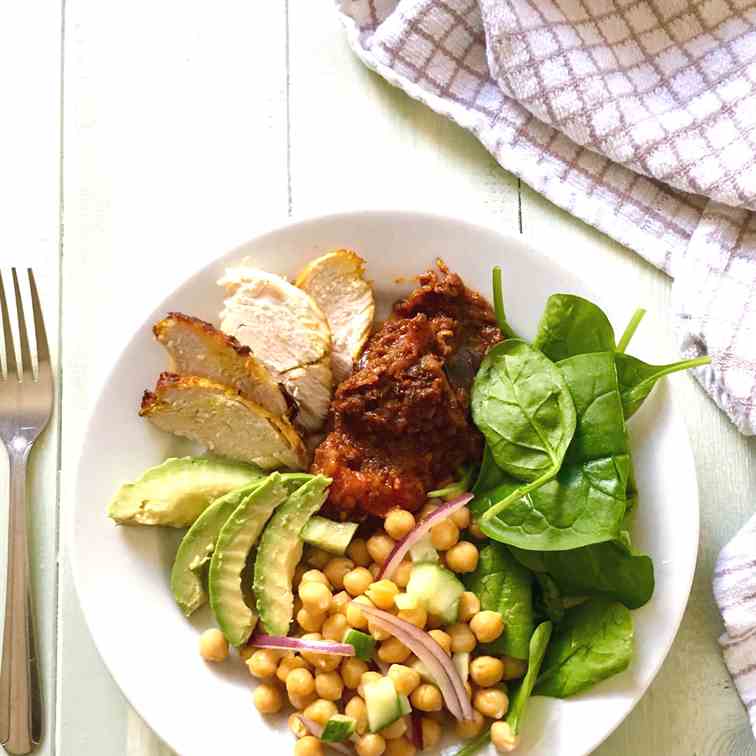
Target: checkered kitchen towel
(639, 117)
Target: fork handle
(20, 690)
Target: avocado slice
(279, 553)
(237, 537)
(177, 491)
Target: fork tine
(10, 349)
(43, 351)
(26, 361)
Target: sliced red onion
(415, 726)
(383, 668)
(430, 654)
(403, 546)
(317, 731)
(301, 644)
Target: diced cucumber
(333, 537)
(382, 703)
(461, 660)
(404, 705)
(422, 670)
(424, 551)
(339, 727)
(364, 644)
(404, 602)
(437, 589)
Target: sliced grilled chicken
(336, 282)
(224, 421)
(287, 332)
(199, 348)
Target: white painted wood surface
(189, 127)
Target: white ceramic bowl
(122, 573)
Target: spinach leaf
(629, 331)
(475, 744)
(533, 560)
(538, 645)
(636, 378)
(572, 325)
(498, 298)
(548, 598)
(521, 404)
(604, 569)
(503, 585)
(594, 642)
(457, 488)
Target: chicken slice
(224, 421)
(287, 332)
(336, 282)
(199, 348)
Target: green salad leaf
(593, 642)
(630, 330)
(503, 585)
(538, 644)
(548, 598)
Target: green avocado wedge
(237, 537)
(196, 549)
(176, 492)
(279, 552)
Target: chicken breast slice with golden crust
(224, 421)
(199, 348)
(336, 282)
(287, 332)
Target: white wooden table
(187, 128)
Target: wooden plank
(30, 55)
(175, 151)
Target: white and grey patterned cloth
(639, 117)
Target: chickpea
(491, 702)
(487, 626)
(428, 509)
(462, 638)
(486, 671)
(431, 732)
(417, 616)
(315, 576)
(395, 730)
(300, 682)
(463, 557)
(382, 594)
(443, 639)
(461, 518)
(302, 702)
(366, 679)
(336, 569)
(268, 699)
(402, 574)
(245, 652)
(503, 738)
(379, 546)
(357, 710)
(329, 685)
(398, 523)
(427, 697)
(434, 622)
(371, 744)
(298, 574)
(475, 531)
(514, 669)
(375, 570)
(444, 535)
(263, 662)
(405, 679)
(339, 603)
(318, 558)
(393, 651)
(213, 646)
(322, 662)
(309, 621)
(296, 725)
(400, 747)
(316, 597)
(357, 581)
(377, 632)
(352, 670)
(334, 627)
(358, 553)
(469, 606)
(289, 663)
(309, 745)
(321, 711)
(355, 618)
(470, 728)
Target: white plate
(122, 573)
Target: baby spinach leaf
(538, 644)
(636, 378)
(521, 404)
(629, 331)
(498, 298)
(594, 642)
(457, 488)
(548, 598)
(572, 325)
(533, 560)
(603, 569)
(475, 744)
(503, 585)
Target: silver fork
(26, 403)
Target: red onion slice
(300, 644)
(317, 731)
(403, 546)
(439, 665)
